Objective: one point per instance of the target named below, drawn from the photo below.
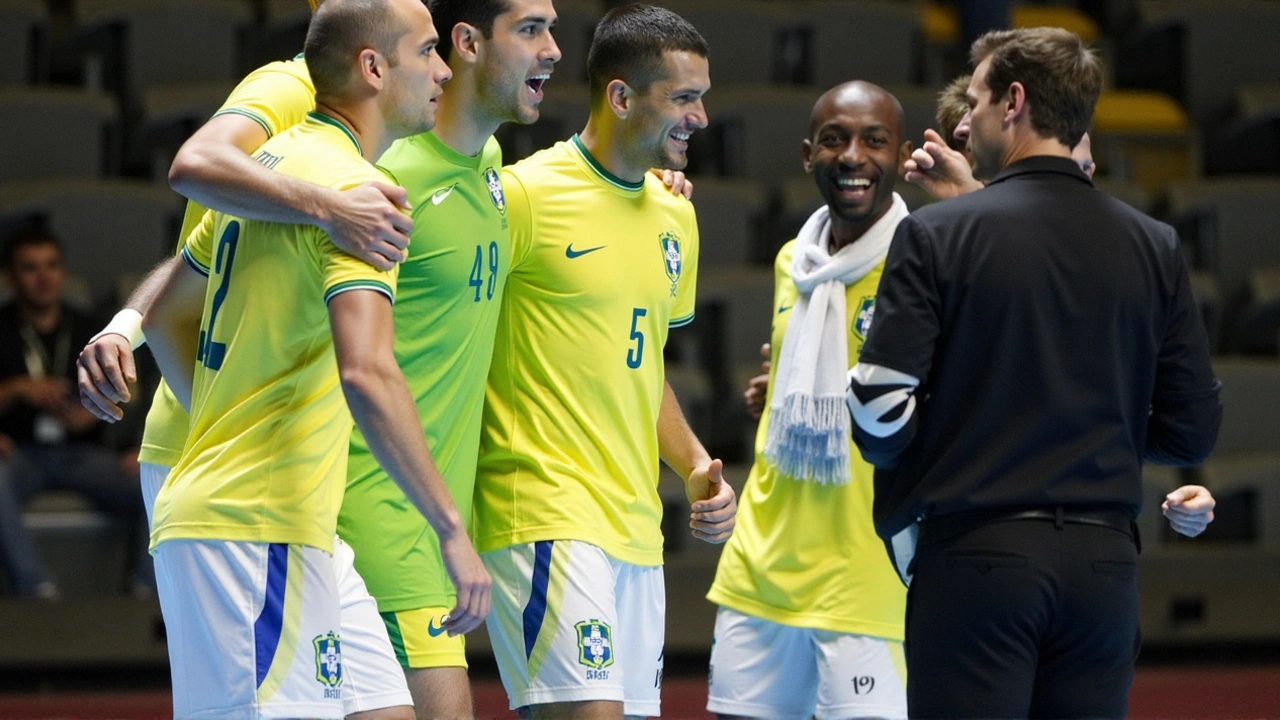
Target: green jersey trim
(193, 263)
(249, 114)
(599, 169)
(349, 285)
(681, 322)
(321, 117)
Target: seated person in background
(47, 440)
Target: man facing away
(1034, 343)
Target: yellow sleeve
(197, 251)
(342, 272)
(519, 217)
(276, 96)
(687, 283)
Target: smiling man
(797, 634)
(450, 290)
(603, 262)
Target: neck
(365, 123)
(1029, 144)
(44, 319)
(603, 139)
(846, 232)
(461, 123)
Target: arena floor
(1158, 693)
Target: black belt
(940, 527)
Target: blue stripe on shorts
(537, 607)
(266, 629)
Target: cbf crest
(495, 190)
(328, 660)
(862, 319)
(671, 258)
(595, 644)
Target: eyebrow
(540, 19)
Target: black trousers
(1027, 618)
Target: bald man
(811, 611)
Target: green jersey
(446, 314)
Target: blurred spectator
(47, 440)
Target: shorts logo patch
(595, 644)
(495, 190)
(435, 627)
(328, 660)
(671, 258)
(862, 319)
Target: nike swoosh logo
(438, 196)
(570, 253)
(433, 629)
(784, 308)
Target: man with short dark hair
(1034, 343)
(47, 441)
(577, 412)
(295, 339)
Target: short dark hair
(1062, 77)
(27, 238)
(952, 107)
(340, 30)
(630, 43)
(448, 13)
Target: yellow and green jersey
(600, 269)
(803, 553)
(277, 96)
(266, 457)
(450, 291)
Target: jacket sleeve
(1186, 411)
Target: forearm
(385, 412)
(10, 393)
(882, 405)
(224, 178)
(678, 447)
(172, 325)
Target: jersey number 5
(635, 355)
(210, 353)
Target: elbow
(185, 170)
(1185, 444)
(363, 380)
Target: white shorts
(761, 669)
(372, 677)
(570, 624)
(253, 629)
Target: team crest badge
(671, 258)
(862, 320)
(595, 644)
(495, 190)
(328, 659)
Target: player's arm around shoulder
(383, 408)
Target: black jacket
(1057, 343)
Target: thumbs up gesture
(714, 504)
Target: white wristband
(127, 323)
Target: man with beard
(577, 413)
(1034, 343)
(268, 354)
(810, 618)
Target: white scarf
(809, 427)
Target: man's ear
(466, 41)
(806, 155)
(619, 95)
(372, 67)
(1015, 102)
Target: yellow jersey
(277, 96)
(266, 459)
(802, 553)
(600, 269)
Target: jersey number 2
(210, 353)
